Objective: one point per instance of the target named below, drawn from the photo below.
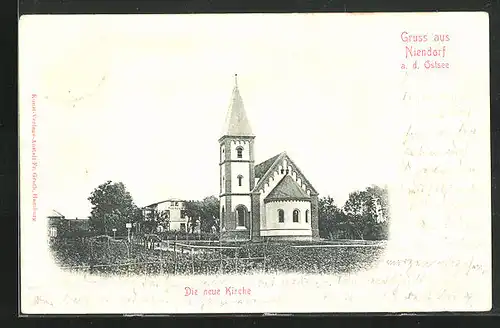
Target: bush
(321, 259)
(73, 251)
(70, 234)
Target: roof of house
(287, 189)
(55, 214)
(166, 200)
(79, 218)
(237, 123)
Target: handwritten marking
(41, 300)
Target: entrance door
(240, 211)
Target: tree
(112, 207)
(210, 213)
(380, 211)
(380, 198)
(356, 209)
(154, 218)
(193, 212)
(163, 217)
(206, 211)
(331, 218)
(368, 213)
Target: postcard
(254, 163)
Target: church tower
(237, 170)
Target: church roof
(287, 189)
(265, 169)
(237, 123)
(262, 168)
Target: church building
(272, 200)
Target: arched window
(240, 180)
(223, 214)
(296, 215)
(239, 152)
(307, 216)
(281, 216)
(240, 214)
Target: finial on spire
(235, 80)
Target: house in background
(79, 223)
(58, 224)
(172, 214)
(55, 221)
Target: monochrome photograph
(232, 162)
(265, 216)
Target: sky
(142, 100)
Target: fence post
(175, 257)
(192, 260)
(220, 266)
(128, 257)
(161, 261)
(250, 263)
(236, 260)
(91, 256)
(265, 251)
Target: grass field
(114, 257)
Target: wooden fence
(171, 257)
(215, 257)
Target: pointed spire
(237, 123)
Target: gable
(262, 168)
(302, 176)
(287, 189)
(273, 168)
